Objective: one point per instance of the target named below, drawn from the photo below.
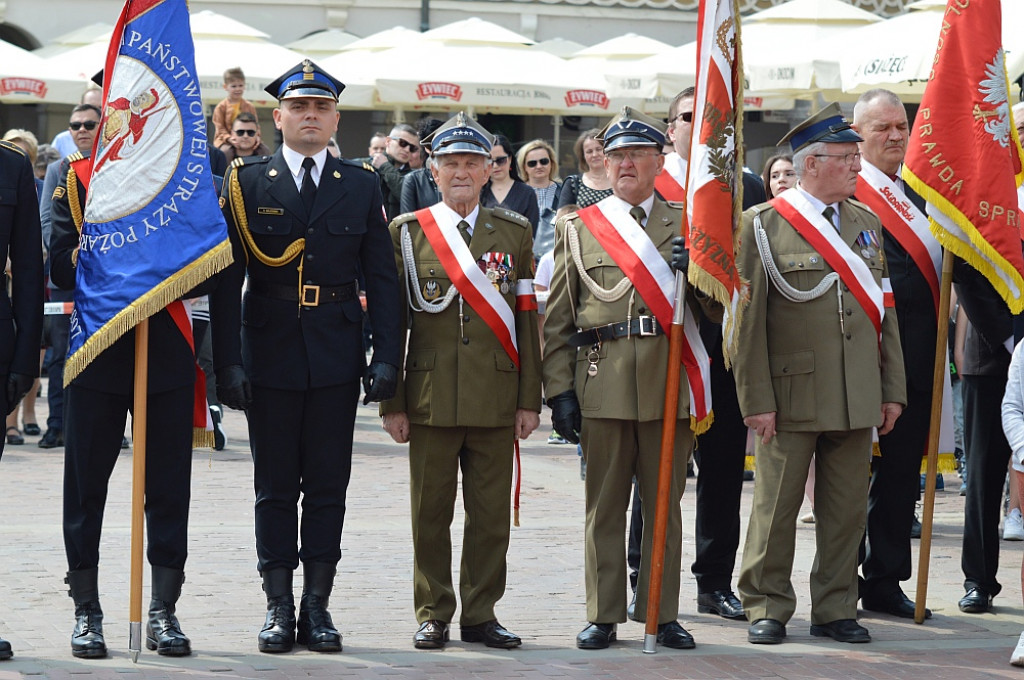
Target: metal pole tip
(650, 643)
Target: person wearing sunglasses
(393, 165)
(538, 165)
(592, 184)
(504, 190)
(245, 138)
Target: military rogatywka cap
(632, 128)
(306, 80)
(460, 134)
(827, 125)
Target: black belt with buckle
(644, 327)
(311, 296)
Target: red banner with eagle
(964, 156)
(715, 187)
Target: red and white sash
(474, 287)
(823, 237)
(903, 221)
(671, 181)
(638, 258)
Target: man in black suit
(303, 225)
(21, 321)
(880, 118)
(96, 403)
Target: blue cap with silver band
(827, 125)
(632, 128)
(306, 80)
(460, 134)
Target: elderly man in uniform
(818, 365)
(20, 244)
(910, 251)
(471, 383)
(303, 225)
(613, 280)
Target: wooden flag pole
(138, 488)
(665, 464)
(938, 378)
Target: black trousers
(93, 427)
(988, 455)
(894, 490)
(301, 445)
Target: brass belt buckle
(648, 326)
(305, 293)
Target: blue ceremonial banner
(152, 225)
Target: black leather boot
(316, 630)
(164, 632)
(5, 650)
(278, 634)
(87, 638)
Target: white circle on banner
(139, 144)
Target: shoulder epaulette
(512, 216)
(358, 164)
(403, 218)
(76, 156)
(678, 205)
(854, 202)
(11, 146)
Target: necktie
(464, 230)
(638, 213)
(308, 191)
(828, 212)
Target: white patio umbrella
(322, 44)
(399, 36)
(76, 38)
(476, 31)
(560, 47)
(28, 79)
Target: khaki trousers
(842, 464)
(615, 451)
(485, 457)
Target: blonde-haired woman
(536, 161)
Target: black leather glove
(380, 382)
(233, 389)
(565, 416)
(18, 385)
(680, 256)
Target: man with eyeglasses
(83, 127)
(393, 165)
(605, 370)
(818, 365)
(245, 138)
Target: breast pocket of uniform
(418, 367)
(802, 270)
(433, 282)
(793, 384)
(273, 229)
(602, 269)
(346, 226)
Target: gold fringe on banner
(202, 438)
(216, 259)
(702, 426)
(947, 461)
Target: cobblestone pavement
(222, 606)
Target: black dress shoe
(431, 635)
(5, 650)
(492, 634)
(895, 603)
(52, 439)
(976, 601)
(842, 630)
(766, 632)
(673, 635)
(721, 602)
(596, 636)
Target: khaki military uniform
(622, 406)
(826, 380)
(461, 391)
